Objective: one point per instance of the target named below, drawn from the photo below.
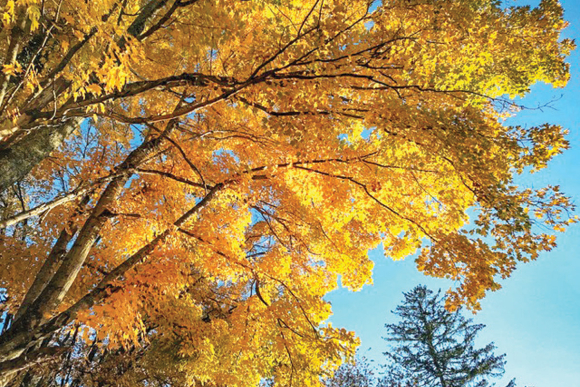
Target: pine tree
(437, 346)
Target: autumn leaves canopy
(197, 175)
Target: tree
(216, 166)
(437, 346)
(361, 373)
(358, 374)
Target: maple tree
(199, 173)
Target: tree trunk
(19, 159)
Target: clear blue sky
(535, 317)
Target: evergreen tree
(437, 346)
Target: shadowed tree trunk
(18, 160)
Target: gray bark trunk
(18, 160)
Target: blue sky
(535, 317)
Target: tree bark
(19, 159)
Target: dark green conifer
(436, 348)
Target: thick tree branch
(9, 344)
(79, 191)
(52, 262)
(55, 291)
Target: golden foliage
(301, 134)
